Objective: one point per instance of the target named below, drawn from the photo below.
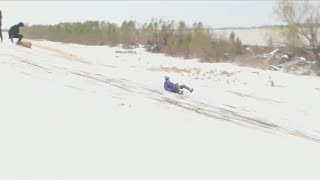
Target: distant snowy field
(254, 36)
(94, 112)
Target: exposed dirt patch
(56, 51)
(60, 53)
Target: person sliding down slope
(176, 88)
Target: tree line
(302, 24)
(168, 37)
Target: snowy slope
(87, 112)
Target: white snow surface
(74, 112)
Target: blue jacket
(169, 86)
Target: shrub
(159, 36)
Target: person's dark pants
(1, 34)
(19, 36)
(179, 87)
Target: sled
(26, 44)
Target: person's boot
(18, 43)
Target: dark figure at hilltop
(0, 26)
(14, 32)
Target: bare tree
(302, 20)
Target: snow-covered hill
(94, 112)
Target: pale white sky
(214, 14)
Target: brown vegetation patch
(168, 70)
(127, 52)
(228, 74)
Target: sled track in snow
(200, 108)
(126, 87)
(233, 117)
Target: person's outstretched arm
(165, 85)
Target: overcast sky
(214, 14)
